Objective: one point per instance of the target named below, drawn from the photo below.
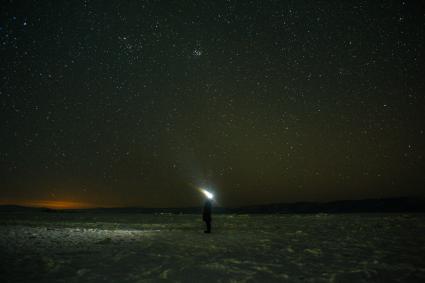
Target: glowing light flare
(207, 194)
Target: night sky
(138, 103)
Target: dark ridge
(402, 204)
(384, 205)
(20, 208)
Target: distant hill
(402, 204)
(384, 205)
(19, 208)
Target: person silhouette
(206, 215)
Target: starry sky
(138, 103)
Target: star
(197, 52)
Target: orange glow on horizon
(56, 204)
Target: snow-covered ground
(85, 247)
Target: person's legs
(208, 223)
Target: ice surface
(84, 247)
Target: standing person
(206, 215)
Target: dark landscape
(374, 240)
(132, 247)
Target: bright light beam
(207, 194)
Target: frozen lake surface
(90, 247)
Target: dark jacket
(206, 212)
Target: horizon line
(75, 205)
